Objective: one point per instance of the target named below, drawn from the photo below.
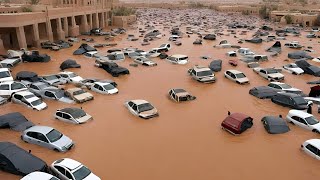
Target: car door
(60, 172)
(5, 90)
(263, 73)
(67, 118)
(304, 124)
(43, 141)
(34, 88)
(312, 151)
(300, 122)
(233, 77)
(101, 90)
(59, 115)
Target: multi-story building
(50, 20)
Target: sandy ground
(185, 141)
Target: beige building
(305, 20)
(239, 9)
(51, 20)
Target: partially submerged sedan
(104, 88)
(263, 92)
(144, 61)
(79, 95)
(236, 76)
(28, 99)
(237, 123)
(312, 148)
(180, 95)
(55, 94)
(142, 108)
(47, 137)
(293, 69)
(304, 120)
(290, 100)
(72, 115)
(271, 74)
(275, 125)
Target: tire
(316, 131)
(56, 150)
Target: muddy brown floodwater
(185, 141)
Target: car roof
(101, 83)
(179, 56)
(4, 69)
(278, 83)
(201, 68)
(24, 93)
(40, 83)
(234, 71)
(299, 113)
(70, 110)
(139, 101)
(38, 176)
(42, 129)
(69, 163)
(293, 95)
(9, 82)
(314, 142)
(66, 72)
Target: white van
(5, 75)
(178, 59)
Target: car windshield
(312, 120)
(204, 73)
(36, 102)
(285, 86)
(72, 75)
(79, 92)
(49, 78)
(240, 75)
(4, 74)
(59, 94)
(272, 71)
(81, 173)
(293, 66)
(108, 87)
(145, 107)
(119, 56)
(78, 113)
(54, 135)
(16, 86)
(300, 101)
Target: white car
(304, 120)
(10, 62)
(70, 77)
(312, 148)
(236, 76)
(142, 108)
(91, 54)
(155, 52)
(178, 59)
(5, 75)
(145, 61)
(67, 169)
(104, 88)
(39, 176)
(7, 88)
(293, 69)
(284, 87)
(245, 51)
(72, 115)
(270, 74)
(317, 59)
(28, 99)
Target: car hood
(83, 96)
(76, 79)
(182, 62)
(66, 100)
(92, 177)
(41, 106)
(6, 79)
(64, 141)
(151, 112)
(298, 70)
(84, 118)
(274, 75)
(243, 80)
(113, 91)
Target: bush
(288, 19)
(245, 12)
(123, 11)
(196, 5)
(26, 9)
(34, 2)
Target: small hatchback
(236, 76)
(178, 59)
(72, 115)
(304, 120)
(312, 148)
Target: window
(263, 71)
(69, 175)
(66, 116)
(100, 88)
(233, 76)
(313, 149)
(134, 107)
(41, 137)
(130, 103)
(60, 169)
(32, 134)
(17, 96)
(59, 114)
(96, 86)
(4, 87)
(49, 94)
(34, 87)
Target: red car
(237, 123)
(233, 62)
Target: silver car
(37, 87)
(47, 137)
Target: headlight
(63, 148)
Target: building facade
(52, 20)
(306, 20)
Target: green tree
(288, 19)
(34, 2)
(123, 11)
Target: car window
(313, 149)
(17, 96)
(170, 92)
(130, 103)
(263, 71)
(134, 107)
(193, 71)
(68, 174)
(34, 87)
(87, 54)
(32, 134)
(302, 121)
(60, 169)
(100, 88)
(49, 94)
(233, 76)
(41, 137)
(66, 116)
(276, 86)
(4, 87)
(96, 86)
(64, 75)
(59, 114)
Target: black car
(291, 100)
(308, 68)
(16, 160)
(114, 69)
(263, 92)
(35, 57)
(215, 65)
(275, 125)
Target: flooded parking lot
(186, 140)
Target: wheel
(294, 73)
(316, 131)
(55, 149)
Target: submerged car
(69, 169)
(47, 137)
(10, 62)
(293, 69)
(55, 94)
(308, 68)
(236, 76)
(10, 87)
(284, 87)
(237, 123)
(178, 59)
(5, 75)
(312, 148)
(28, 99)
(104, 88)
(290, 100)
(70, 77)
(275, 125)
(215, 65)
(304, 120)
(113, 69)
(16, 160)
(270, 74)
(202, 74)
(142, 108)
(39, 176)
(37, 87)
(72, 115)
(180, 95)
(145, 61)
(79, 95)
(52, 80)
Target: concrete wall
(123, 21)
